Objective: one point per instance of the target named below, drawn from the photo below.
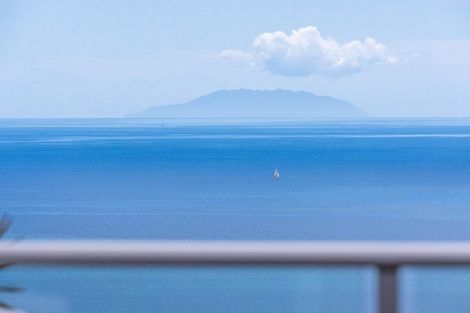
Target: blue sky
(111, 58)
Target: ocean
(376, 179)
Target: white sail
(276, 174)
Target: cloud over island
(306, 52)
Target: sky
(112, 58)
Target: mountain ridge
(249, 103)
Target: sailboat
(276, 174)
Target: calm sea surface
(166, 179)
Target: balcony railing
(386, 256)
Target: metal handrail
(386, 256)
(112, 252)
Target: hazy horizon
(110, 59)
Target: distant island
(246, 103)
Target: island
(247, 103)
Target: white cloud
(305, 52)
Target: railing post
(388, 289)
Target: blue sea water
(388, 179)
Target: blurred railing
(386, 256)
